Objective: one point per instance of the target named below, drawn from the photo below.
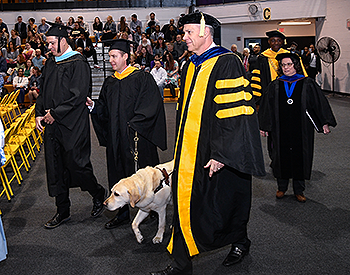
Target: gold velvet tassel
(201, 32)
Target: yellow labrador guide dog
(148, 189)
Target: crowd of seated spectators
(24, 48)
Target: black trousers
(90, 53)
(298, 185)
(68, 168)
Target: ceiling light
(294, 23)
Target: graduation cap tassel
(202, 27)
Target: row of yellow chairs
(9, 109)
(21, 140)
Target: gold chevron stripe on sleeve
(256, 93)
(232, 97)
(256, 86)
(255, 71)
(236, 111)
(231, 83)
(255, 78)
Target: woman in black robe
(291, 109)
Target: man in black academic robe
(129, 106)
(217, 151)
(66, 83)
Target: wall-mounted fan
(329, 51)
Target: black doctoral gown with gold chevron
(216, 120)
(129, 102)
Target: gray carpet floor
(287, 237)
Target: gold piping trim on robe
(255, 71)
(255, 78)
(236, 111)
(231, 83)
(125, 73)
(256, 86)
(256, 93)
(232, 97)
(189, 150)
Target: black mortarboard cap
(280, 56)
(119, 44)
(59, 31)
(196, 17)
(275, 33)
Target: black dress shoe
(171, 271)
(116, 221)
(235, 256)
(57, 220)
(98, 206)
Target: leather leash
(165, 179)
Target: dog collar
(165, 179)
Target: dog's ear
(134, 197)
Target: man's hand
(48, 117)
(89, 102)
(326, 130)
(38, 123)
(263, 133)
(214, 166)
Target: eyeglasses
(286, 65)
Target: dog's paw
(139, 238)
(157, 239)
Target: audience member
(70, 23)
(97, 28)
(28, 52)
(314, 63)
(85, 43)
(121, 24)
(166, 26)
(144, 59)
(137, 35)
(3, 26)
(235, 51)
(76, 31)
(38, 59)
(20, 82)
(58, 20)
(245, 61)
(152, 17)
(180, 47)
(11, 55)
(157, 57)
(43, 27)
(21, 28)
(134, 23)
(170, 49)
(39, 43)
(31, 38)
(150, 28)
(172, 69)
(155, 35)
(3, 39)
(31, 25)
(16, 40)
(83, 24)
(170, 35)
(294, 48)
(144, 43)
(160, 75)
(34, 85)
(253, 58)
(109, 29)
(21, 62)
(28, 68)
(305, 56)
(160, 47)
(133, 63)
(3, 64)
(126, 34)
